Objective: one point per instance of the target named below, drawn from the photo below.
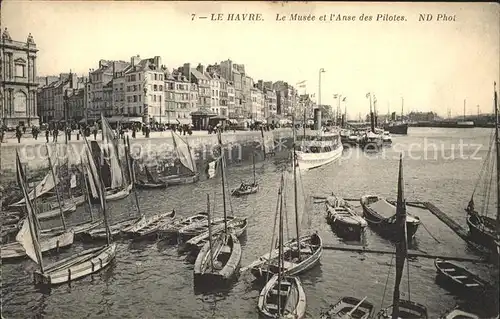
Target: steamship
(318, 147)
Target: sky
(432, 65)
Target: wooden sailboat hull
(112, 195)
(227, 259)
(237, 226)
(311, 251)
(459, 314)
(292, 299)
(459, 277)
(168, 230)
(77, 229)
(56, 212)
(482, 229)
(148, 226)
(180, 179)
(407, 310)
(250, 189)
(345, 305)
(100, 233)
(345, 222)
(16, 250)
(201, 227)
(386, 226)
(78, 266)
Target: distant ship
(396, 128)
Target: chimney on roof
(200, 68)
(186, 69)
(157, 61)
(135, 60)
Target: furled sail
(90, 177)
(184, 153)
(28, 236)
(108, 144)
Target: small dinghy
(149, 227)
(55, 212)
(283, 298)
(78, 229)
(343, 219)
(349, 307)
(245, 189)
(459, 276)
(195, 229)
(380, 214)
(169, 229)
(115, 230)
(237, 226)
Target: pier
(447, 220)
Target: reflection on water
(151, 279)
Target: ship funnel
(317, 119)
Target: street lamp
(319, 90)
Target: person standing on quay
(47, 134)
(18, 134)
(54, 134)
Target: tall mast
(497, 146)
(294, 166)
(57, 189)
(253, 163)
(401, 249)
(402, 106)
(464, 107)
(223, 180)
(131, 174)
(85, 190)
(280, 243)
(209, 220)
(372, 124)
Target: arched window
(20, 103)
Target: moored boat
(396, 128)
(67, 207)
(236, 225)
(349, 307)
(196, 228)
(247, 188)
(185, 161)
(173, 228)
(317, 148)
(343, 219)
(380, 214)
(459, 314)
(149, 226)
(460, 278)
(386, 138)
(284, 299)
(150, 182)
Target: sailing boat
(220, 257)
(46, 242)
(151, 182)
(88, 225)
(111, 166)
(483, 229)
(282, 296)
(67, 269)
(247, 188)
(301, 253)
(236, 225)
(143, 227)
(125, 225)
(401, 308)
(185, 159)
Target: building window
(135, 98)
(20, 70)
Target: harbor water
(152, 280)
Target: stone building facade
(18, 82)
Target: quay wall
(238, 147)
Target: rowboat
(115, 230)
(381, 215)
(237, 226)
(147, 185)
(290, 295)
(195, 229)
(311, 248)
(349, 307)
(460, 277)
(407, 310)
(458, 314)
(68, 207)
(218, 260)
(173, 228)
(245, 189)
(77, 266)
(117, 194)
(148, 226)
(343, 219)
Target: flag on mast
(368, 95)
(344, 99)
